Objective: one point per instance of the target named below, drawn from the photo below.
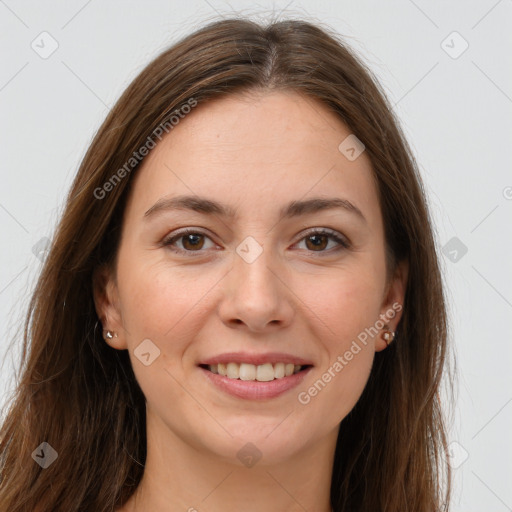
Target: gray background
(455, 107)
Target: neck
(179, 476)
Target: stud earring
(388, 337)
(108, 335)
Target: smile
(255, 389)
(250, 372)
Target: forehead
(253, 151)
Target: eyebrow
(210, 207)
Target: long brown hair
(81, 396)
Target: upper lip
(256, 359)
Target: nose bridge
(253, 262)
(257, 295)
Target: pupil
(192, 240)
(318, 238)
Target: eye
(193, 240)
(317, 240)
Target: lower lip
(254, 390)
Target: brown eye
(194, 242)
(191, 242)
(317, 241)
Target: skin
(254, 152)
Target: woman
(242, 307)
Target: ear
(393, 303)
(106, 302)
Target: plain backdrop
(445, 68)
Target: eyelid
(342, 241)
(174, 236)
(326, 231)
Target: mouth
(266, 372)
(255, 376)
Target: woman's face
(252, 283)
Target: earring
(108, 335)
(388, 337)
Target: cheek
(346, 303)
(350, 309)
(158, 299)
(159, 303)
(350, 381)
(338, 386)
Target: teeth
(221, 369)
(262, 373)
(265, 372)
(233, 370)
(279, 370)
(247, 371)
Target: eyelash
(343, 243)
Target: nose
(256, 295)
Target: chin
(270, 440)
